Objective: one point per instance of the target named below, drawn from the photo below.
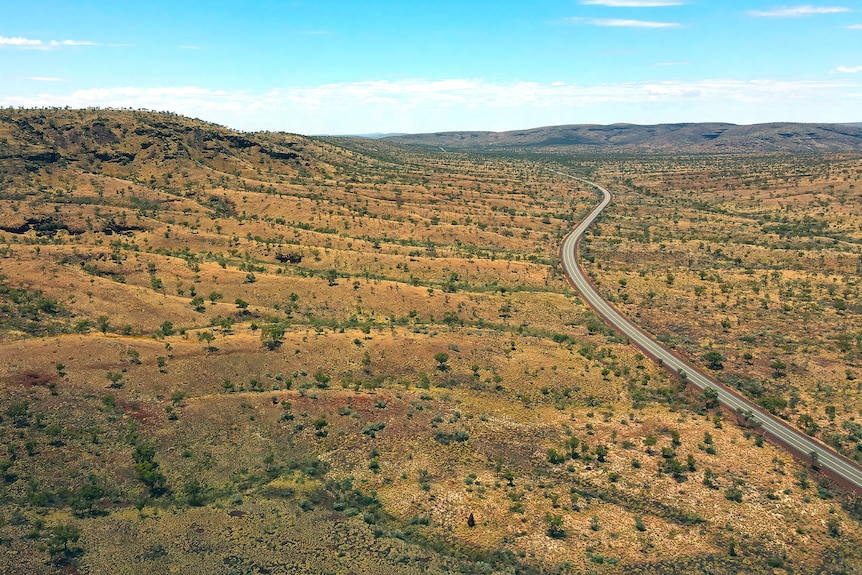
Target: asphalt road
(796, 442)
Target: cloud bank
(458, 104)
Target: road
(796, 442)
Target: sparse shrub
(373, 428)
(733, 493)
(272, 336)
(554, 457)
(555, 526)
(322, 379)
(833, 526)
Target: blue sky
(334, 66)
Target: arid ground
(226, 352)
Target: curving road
(772, 427)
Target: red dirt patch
(28, 379)
(137, 411)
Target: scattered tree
(713, 360)
(442, 358)
(555, 526)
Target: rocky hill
(136, 143)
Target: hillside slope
(264, 353)
(699, 138)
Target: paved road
(794, 440)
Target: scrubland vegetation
(262, 353)
(751, 268)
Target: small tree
(834, 527)
(60, 546)
(713, 360)
(167, 328)
(272, 335)
(442, 358)
(572, 445)
(778, 368)
(116, 379)
(601, 452)
(86, 498)
(198, 303)
(650, 441)
(709, 478)
(710, 398)
(674, 467)
(322, 379)
(332, 277)
(509, 477)
(5, 465)
(555, 457)
(555, 526)
(733, 493)
(207, 337)
(148, 469)
(194, 492)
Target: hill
(699, 138)
(235, 352)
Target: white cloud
(798, 11)
(854, 27)
(19, 42)
(846, 70)
(632, 3)
(44, 79)
(458, 103)
(33, 43)
(622, 23)
(72, 43)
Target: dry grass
(353, 446)
(765, 263)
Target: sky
(390, 66)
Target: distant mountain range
(381, 135)
(696, 138)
